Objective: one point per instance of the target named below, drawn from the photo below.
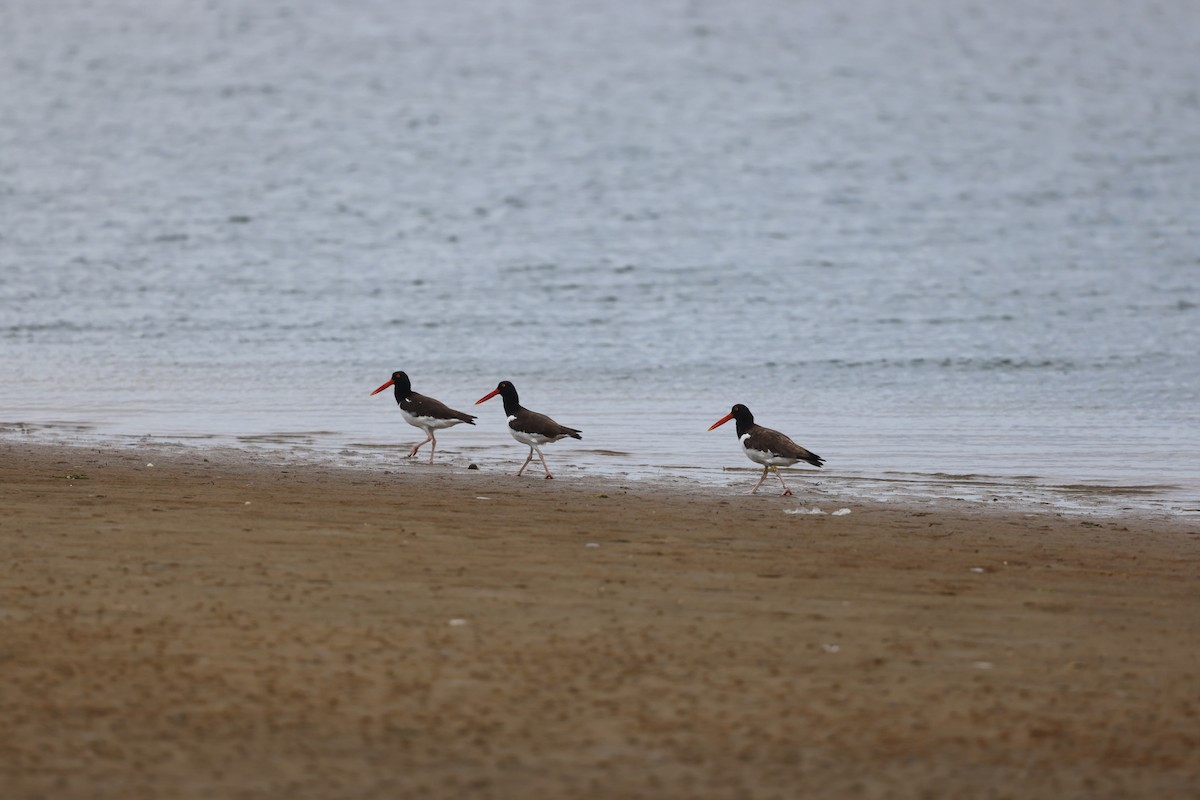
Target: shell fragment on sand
(841, 512)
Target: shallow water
(942, 245)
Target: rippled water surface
(939, 243)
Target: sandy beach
(216, 626)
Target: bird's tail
(814, 459)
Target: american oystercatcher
(764, 446)
(423, 412)
(529, 427)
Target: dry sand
(203, 629)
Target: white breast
(531, 439)
(765, 458)
(428, 423)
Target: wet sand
(218, 626)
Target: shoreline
(249, 628)
(1030, 493)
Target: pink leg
(417, 446)
(786, 491)
(528, 458)
(760, 480)
(432, 446)
(543, 458)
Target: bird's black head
(506, 391)
(400, 381)
(740, 413)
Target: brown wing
(527, 421)
(771, 441)
(421, 406)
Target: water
(946, 245)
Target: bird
(529, 427)
(768, 447)
(423, 412)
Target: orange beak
(721, 421)
(381, 388)
(488, 396)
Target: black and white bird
(423, 412)
(529, 427)
(768, 447)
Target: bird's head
(398, 379)
(740, 413)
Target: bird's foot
(786, 493)
(549, 477)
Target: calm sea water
(949, 244)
